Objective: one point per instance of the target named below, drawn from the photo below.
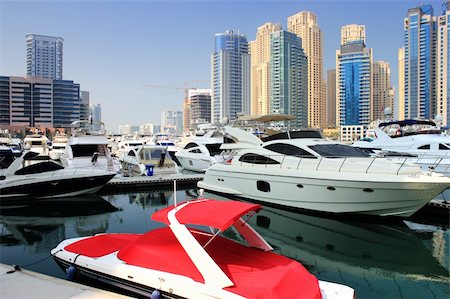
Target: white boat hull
(393, 196)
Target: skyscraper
(400, 107)
(331, 98)
(305, 25)
(172, 121)
(426, 63)
(200, 107)
(289, 77)
(382, 89)
(353, 32)
(44, 56)
(353, 83)
(84, 105)
(260, 69)
(230, 77)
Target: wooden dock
(26, 284)
(129, 184)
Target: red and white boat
(182, 261)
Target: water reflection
(404, 259)
(40, 225)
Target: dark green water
(402, 259)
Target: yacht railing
(398, 165)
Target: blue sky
(114, 48)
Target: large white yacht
(320, 175)
(416, 141)
(88, 148)
(37, 143)
(202, 152)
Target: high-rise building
(353, 84)
(353, 32)
(84, 104)
(260, 69)
(400, 107)
(331, 98)
(172, 121)
(289, 77)
(426, 63)
(200, 107)
(96, 113)
(44, 56)
(38, 102)
(443, 64)
(305, 25)
(147, 129)
(230, 77)
(382, 90)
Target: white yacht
(59, 143)
(88, 148)
(37, 143)
(124, 147)
(199, 154)
(319, 175)
(148, 160)
(416, 141)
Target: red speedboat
(183, 261)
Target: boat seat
(101, 245)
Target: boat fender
(71, 272)
(156, 295)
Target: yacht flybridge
(320, 175)
(185, 262)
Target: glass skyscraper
(426, 63)
(353, 83)
(230, 64)
(44, 56)
(289, 77)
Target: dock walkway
(18, 284)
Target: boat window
(156, 154)
(87, 150)
(443, 146)
(214, 148)
(166, 143)
(135, 144)
(426, 146)
(191, 144)
(39, 168)
(257, 159)
(36, 143)
(290, 150)
(195, 151)
(131, 154)
(338, 150)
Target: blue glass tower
(419, 31)
(289, 77)
(354, 88)
(230, 77)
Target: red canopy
(208, 212)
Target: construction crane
(185, 88)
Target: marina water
(379, 259)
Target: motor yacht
(88, 148)
(181, 261)
(202, 152)
(416, 141)
(124, 147)
(59, 143)
(46, 179)
(37, 143)
(321, 176)
(163, 139)
(148, 160)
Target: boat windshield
(338, 150)
(214, 149)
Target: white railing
(397, 165)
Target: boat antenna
(175, 192)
